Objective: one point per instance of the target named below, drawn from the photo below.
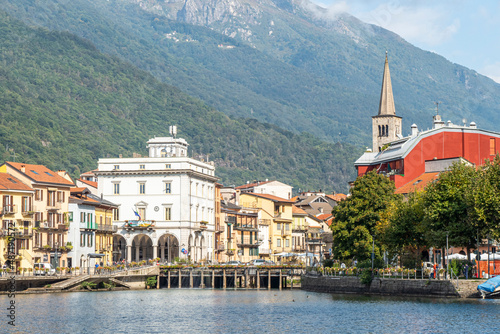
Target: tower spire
(386, 106)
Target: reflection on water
(230, 311)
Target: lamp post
(447, 272)
(56, 260)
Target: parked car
(233, 263)
(270, 263)
(44, 269)
(258, 262)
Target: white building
(166, 203)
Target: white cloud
(492, 71)
(421, 25)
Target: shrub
(366, 277)
(151, 282)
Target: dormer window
(116, 167)
(142, 166)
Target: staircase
(120, 283)
(69, 283)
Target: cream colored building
(16, 215)
(275, 223)
(50, 210)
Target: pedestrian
(435, 270)
(96, 266)
(467, 271)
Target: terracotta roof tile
(324, 216)
(417, 184)
(9, 182)
(298, 211)
(337, 197)
(90, 183)
(271, 197)
(251, 185)
(39, 173)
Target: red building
(405, 159)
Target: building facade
(50, 210)
(166, 203)
(16, 216)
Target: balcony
(28, 212)
(220, 248)
(245, 227)
(21, 234)
(230, 220)
(299, 229)
(62, 227)
(299, 248)
(247, 242)
(201, 226)
(286, 233)
(132, 225)
(9, 209)
(106, 228)
(315, 241)
(219, 229)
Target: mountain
(65, 104)
(285, 62)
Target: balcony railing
(245, 227)
(299, 229)
(21, 234)
(247, 242)
(54, 206)
(219, 229)
(62, 227)
(9, 209)
(299, 248)
(106, 228)
(27, 212)
(139, 225)
(314, 241)
(220, 247)
(230, 219)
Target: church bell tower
(386, 126)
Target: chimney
(438, 123)
(414, 130)
(61, 172)
(473, 125)
(23, 168)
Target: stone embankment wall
(388, 286)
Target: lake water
(230, 311)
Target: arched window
(383, 131)
(379, 131)
(387, 130)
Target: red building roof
(270, 197)
(407, 158)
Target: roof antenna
(437, 106)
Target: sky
(465, 32)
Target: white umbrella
(493, 256)
(456, 256)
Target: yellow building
(16, 215)
(275, 223)
(50, 208)
(299, 229)
(105, 230)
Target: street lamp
(56, 260)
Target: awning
(95, 255)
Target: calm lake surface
(230, 311)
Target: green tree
(358, 219)
(486, 199)
(449, 208)
(404, 234)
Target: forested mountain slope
(65, 104)
(280, 61)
